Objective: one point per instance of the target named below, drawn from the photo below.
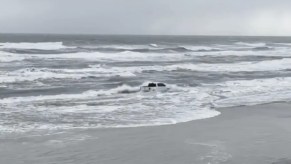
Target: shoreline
(258, 134)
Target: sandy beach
(241, 135)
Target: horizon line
(85, 34)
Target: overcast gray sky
(172, 17)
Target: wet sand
(241, 135)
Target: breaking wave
(123, 89)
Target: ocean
(60, 82)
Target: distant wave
(60, 48)
(264, 48)
(251, 44)
(152, 49)
(283, 44)
(32, 74)
(97, 56)
(268, 65)
(33, 46)
(107, 51)
(255, 46)
(271, 65)
(54, 48)
(153, 45)
(39, 51)
(138, 56)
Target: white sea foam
(37, 45)
(180, 104)
(137, 109)
(32, 74)
(271, 65)
(121, 56)
(251, 92)
(9, 57)
(25, 127)
(268, 65)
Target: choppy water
(52, 82)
